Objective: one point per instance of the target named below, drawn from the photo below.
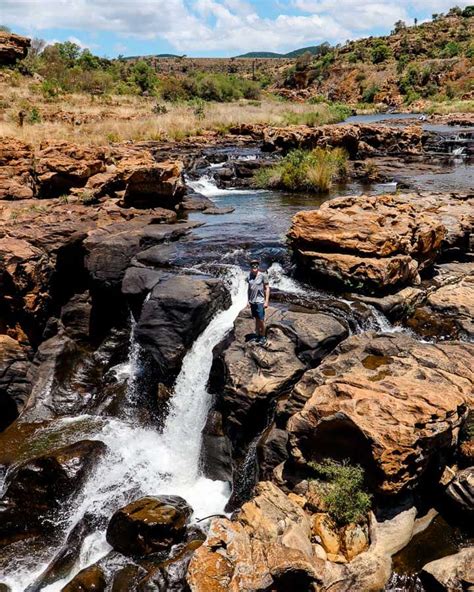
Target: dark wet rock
(4, 588)
(64, 560)
(386, 401)
(14, 383)
(217, 453)
(137, 283)
(42, 485)
(452, 573)
(76, 317)
(69, 378)
(110, 249)
(196, 201)
(152, 184)
(218, 211)
(249, 377)
(90, 579)
(164, 255)
(149, 525)
(177, 311)
(127, 578)
(461, 491)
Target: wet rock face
(455, 572)
(177, 311)
(389, 402)
(461, 491)
(12, 48)
(90, 579)
(14, 383)
(368, 243)
(149, 525)
(41, 486)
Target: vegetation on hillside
(431, 61)
(342, 490)
(305, 170)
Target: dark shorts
(258, 310)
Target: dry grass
(99, 120)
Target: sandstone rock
(12, 47)
(149, 525)
(461, 491)
(61, 166)
(255, 375)
(152, 184)
(90, 579)
(323, 527)
(265, 546)
(14, 384)
(178, 310)
(42, 485)
(391, 403)
(453, 573)
(355, 539)
(368, 242)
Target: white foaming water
(278, 279)
(206, 185)
(141, 461)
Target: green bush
(369, 93)
(144, 76)
(380, 52)
(342, 490)
(451, 50)
(305, 170)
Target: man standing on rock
(259, 296)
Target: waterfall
(141, 461)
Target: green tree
(5, 29)
(380, 52)
(468, 11)
(68, 51)
(144, 76)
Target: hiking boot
(262, 340)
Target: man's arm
(267, 294)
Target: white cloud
(231, 26)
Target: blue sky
(209, 27)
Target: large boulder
(149, 525)
(61, 166)
(12, 47)
(387, 401)
(254, 376)
(16, 169)
(41, 485)
(90, 579)
(177, 311)
(14, 383)
(369, 243)
(266, 546)
(452, 573)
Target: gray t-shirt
(257, 285)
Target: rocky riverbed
(154, 445)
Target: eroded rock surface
(452, 573)
(12, 47)
(391, 403)
(376, 243)
(14, 383)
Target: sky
(209, 28)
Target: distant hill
(312, 49)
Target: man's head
(254, 265)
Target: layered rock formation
(358, 140)
(377, 243)
(12, 48)
(391, 403)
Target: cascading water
(140, 461)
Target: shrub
(34, 116)
(380, 52)
(451, 50)
(144, 76)
(305, 170)
(343, 490)
(369, 93)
